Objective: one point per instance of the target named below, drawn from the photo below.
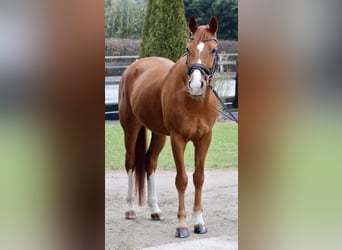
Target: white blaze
(200, 47)
(152, 194)
(196, 81)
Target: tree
(147, 29)
(174, 29)
(165, 32)
(124, 18)
(227, 16)
(226, 12)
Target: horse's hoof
(157, 216)
(200, 229)
(182, 232)
(130, 215)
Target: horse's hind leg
(131, 135)
(157, 144)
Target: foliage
(125, 18)
(165, 32)
(122, 47)
(226, 12)
(147, 29)
(223, 151)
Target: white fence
(227, 60)
(111, 62)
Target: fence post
(235, 103)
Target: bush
(228, 46)
(130, 47)
(122, 47)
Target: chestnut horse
(170, 99)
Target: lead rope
(233, 118)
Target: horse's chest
(193, 129)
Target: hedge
(130, 47)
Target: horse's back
(140, 92)
(144, 71)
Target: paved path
(220, 202)
(215, 243)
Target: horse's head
(202, 57)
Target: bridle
(207, 73)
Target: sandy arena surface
(220, 204)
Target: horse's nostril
(202, 84)
(190, 78)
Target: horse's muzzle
(197, 91)
(196, 84)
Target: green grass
(223, 151)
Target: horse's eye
(214, 51)
(187, 50)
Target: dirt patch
(220, 204)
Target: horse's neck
(177, 74)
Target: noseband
(207, 73)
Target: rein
(231, 117)
(208, 74)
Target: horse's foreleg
(178, 146)
(201, 149)
(157, 144)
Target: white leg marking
(152, 194)
(197, 217)
(129, 197)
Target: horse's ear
(192, 24)
(213, 25)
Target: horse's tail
(140, 169)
